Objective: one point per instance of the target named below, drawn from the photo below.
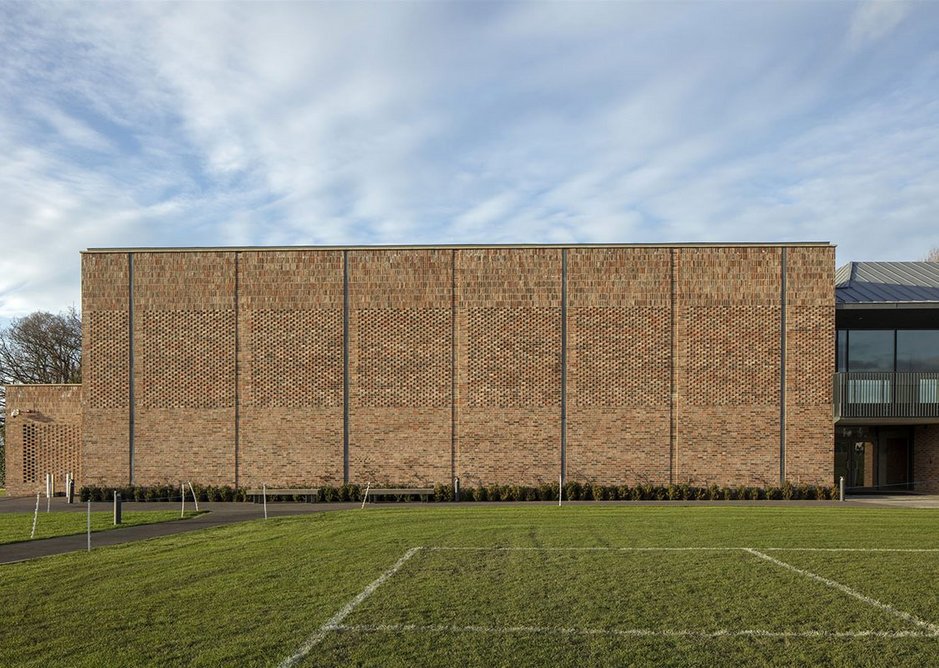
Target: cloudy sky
(314, 123)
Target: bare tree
(932, 255)
(39, 348)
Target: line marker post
(841, 488)
(182, 493)
(365, 498)
(264, 496)
(560, 488)
(194, 499)
(35, 517)
(48, 492)
(89, 524)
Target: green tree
(35, 349)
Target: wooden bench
(422, 492)
(255, 494)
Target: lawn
(16, 527)
(585, 585)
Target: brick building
(702, 363)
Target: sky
(163, 124)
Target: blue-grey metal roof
(887, 283)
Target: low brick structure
(43, 435)
(415, 365)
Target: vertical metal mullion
(345, 367)
(130, 361)
(563, 365)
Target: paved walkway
(899, 500)
(221, 513)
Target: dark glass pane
(870, 350)
(918, 350)
(841, 348)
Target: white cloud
(212, 123)
(875, 19)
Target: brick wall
(508, 360)
(45, 436)
(619, 368)
(399, 366)
(925, 458)
(290, 361)
(184, 367)
(727, 365)
(105, 367)
(673, 365)
(810, 351)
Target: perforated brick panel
(400, 372)
(105, 357)
(187, 359)
(44, 437)
(297, 358)
(51, 448)
(403, 358)
(515, 359)
(619, 350)
(733, 355)
(508, 363)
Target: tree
(39, 348)
(932, 255)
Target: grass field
(16, 527)
(491, 586)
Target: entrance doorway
(874, 459)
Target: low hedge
(573, 491)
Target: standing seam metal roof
(887, 282)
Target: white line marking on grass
(587, 549)
(846, 549)
(679, 549)
(333, 622)
(653, 633)
(932, 628)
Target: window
(871, 350)
(917, 350)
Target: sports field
(482, 586)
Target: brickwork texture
(296, 367)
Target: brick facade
(45, 436)
(925, 458)
(451, 360)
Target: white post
(841, 488)
(264, 496)
(194, 499)
(89, 524)
(560, 488)
(182, 493)
(48, 492)
(35, 517)
(365, 498)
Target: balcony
(870, 395)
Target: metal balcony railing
(870, 394)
